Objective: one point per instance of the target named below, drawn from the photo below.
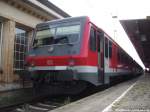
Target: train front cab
(83, 61)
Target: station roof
(36, 10)
(138, 30)
(52, 6)
(47, 6)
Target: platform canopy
(138, 31)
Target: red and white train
(74, 49)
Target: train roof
(68, 19)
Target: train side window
(93, 39)
(98, 41)
(106, 47)
(121, 57)
(118, 53)
(110, 49)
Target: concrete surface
(99, 101)
(137, 99)
(10, 86)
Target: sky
(101, 12)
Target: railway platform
(9, 87)
(130, 96)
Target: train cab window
(118, 53)
(93, 39)
(121, 56)
(106, 47)
(98, 41)
(110, 49)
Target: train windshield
(57, 35)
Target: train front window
(57, 35)
(44, 37)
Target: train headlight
(71, 62)
(32, 63)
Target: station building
(18, 19)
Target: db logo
(49, 62)
(51, 49)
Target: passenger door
(100, 48)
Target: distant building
(17, 20)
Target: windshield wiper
(36, 46)
(70, 44)
(59, 39)
(45, 41)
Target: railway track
(26, 100)
(39, 106)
